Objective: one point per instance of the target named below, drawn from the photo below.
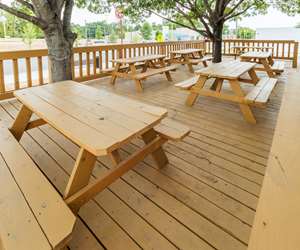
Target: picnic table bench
(231, 71)
(189, 57)
(265, 59)
(100, 123)
(32, 213)
(151, 65)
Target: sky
(273, 19)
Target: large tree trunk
(217, 43)
(60, 52)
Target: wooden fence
(26, 68)
(282, 49)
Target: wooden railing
(282, 49)
(26, 68)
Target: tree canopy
(207, 17)
(291, 7)
(199, 15)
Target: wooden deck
(205, 199)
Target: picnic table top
(96, 120)
(186, 51)
(227, 70)
(137, 59)
(257, 54)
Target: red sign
(119, 13)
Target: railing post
(295, 58)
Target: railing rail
(282, 49)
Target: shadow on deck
(204, 199)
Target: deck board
(205, 199)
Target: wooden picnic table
(151, 65)
(231, 71)
(189, 57)
(239, 49)
(261, 57)
(99, 122)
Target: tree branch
(232, 10)
(26, 4)
(69, 4)
(202, 32)
(238, 13)
(37, 21)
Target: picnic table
(265, 59)
(99, 122)
(239, 49)
(232, 71)
(189, 57)
(151, 65)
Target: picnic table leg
(270, 60)
(114, 76)
(245, 109)
(158, 155)
(81, 172)
(217, 85)
(138, 83)
(115, 157)
(194, 91)
(267, 67)
(167, 73)
(187, 62)
(21, 122)
(145, 67)
(253, 76)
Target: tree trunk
(59, 52)
(217, 43)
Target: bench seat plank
(199, 60)
(278, 66)
(55, 219)
(151, 72)
(172, 130)
(18, 226)
(188, 83)
(262, 91)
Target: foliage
(137, 38)
(113, 37)
(29, 34)
(246, 33)
(16, 26)
(146, 31)
(159, 37)
(226, 30)
(297, 25)
(202, 16)
(290, 7)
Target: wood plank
(152, 72)
(172, 130)
(188, 83)
(276, 224)
(18, 224)
(44, 201)
(226, 70)
(137, 59)
(89, 138)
